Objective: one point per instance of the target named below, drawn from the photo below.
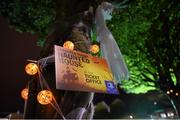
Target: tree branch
(123, 4)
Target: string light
(171, 91)
(31, 68)
(177, 94)
(168, 92)
(155, 103)
(45, 97)
(94, 48)
(24, 93)
(170, 114)
(131, 117)
(163, 115)
(69, 45)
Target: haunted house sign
(79, 71)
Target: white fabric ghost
(108, 45)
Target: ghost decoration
(108, 45)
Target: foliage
(147, 32)
(32, 16)
(146, 45)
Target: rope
(43, 62)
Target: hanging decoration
(24, 93)
(94, 48)
(69, 45)
(108, 45)
(45, 97)
(31, 68)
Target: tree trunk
(74, 27)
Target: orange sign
(79, 71)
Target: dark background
(15, 49)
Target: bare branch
(123, 4)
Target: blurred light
(31, 68)
(163, 115)
(24, 93)
(68, 45)
(94, 48)
(45, 97)
(171, 91)
(170, 114)
(155, 103)
(177, 94)
(131, 116)
(168, 92)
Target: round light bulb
(94, 48)
(45, 97)
(171, 91)
(24, 93)
(31, 68)
(69, 45)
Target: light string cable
(42, 63)
(78, 112)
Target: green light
(142, 89)
(136, 88)
(173, 77)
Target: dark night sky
(15, 49)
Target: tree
(146, 31)
(56, 21)
(59, 16)
(128, 26)
(150, 29)
(29, 16)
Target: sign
(79, 71)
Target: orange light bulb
(31, 68)
(24, 93)
(69, 45)
(45, 97)
(94, 48)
